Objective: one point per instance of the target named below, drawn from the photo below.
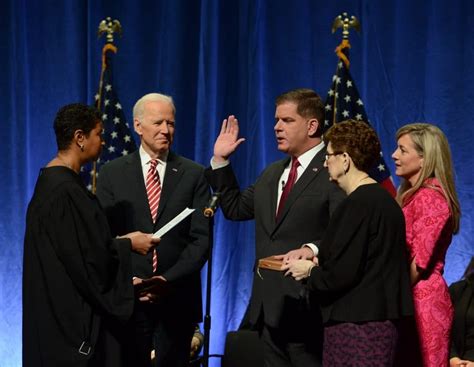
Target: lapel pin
(174, 169)
(315, 169)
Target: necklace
(64, 162)
(362, 179)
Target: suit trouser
(297, 341)
(281, 351)
(168, 334)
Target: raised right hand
(227, 141)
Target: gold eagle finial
(343, 21)
(109, 27)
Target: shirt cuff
(215, 165)
(313, 248)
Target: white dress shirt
(146, 160)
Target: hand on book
(301, 253)
(298, 269)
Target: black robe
(74, 273)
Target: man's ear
(313, 126)
(138, 126)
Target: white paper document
(173, 222)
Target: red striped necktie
(289, 185)
(153, 191)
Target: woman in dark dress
(74, 273)
(462, 333)
(362, 280)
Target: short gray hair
(139, 107)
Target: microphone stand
(209, 212)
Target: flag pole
(107, 27)
(343, 21)
(343, 100)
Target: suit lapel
(272, 191)
(173, 175)
(309, 174)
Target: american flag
(343, 102)
(117, 135)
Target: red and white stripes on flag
(343, 102)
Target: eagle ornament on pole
(117, 136)
(343, 101)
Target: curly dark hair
(308, 102)
(72, 117)
(357, 139)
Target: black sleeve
(99, 266)
(335, 197)
(344, 251)
(196, 252)
(235, 205)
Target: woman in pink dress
(429, 202)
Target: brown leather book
(270, 263)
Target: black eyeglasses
(331, 154)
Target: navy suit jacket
(181, 252)
(304, 219)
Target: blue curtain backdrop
(412, 62)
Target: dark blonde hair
(431, 144)
(357, 139)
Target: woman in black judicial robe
(362, 281)
(74, 273)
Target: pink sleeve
(431, 214)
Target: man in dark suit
(291, 203)
(142, 192)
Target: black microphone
(211, 207)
